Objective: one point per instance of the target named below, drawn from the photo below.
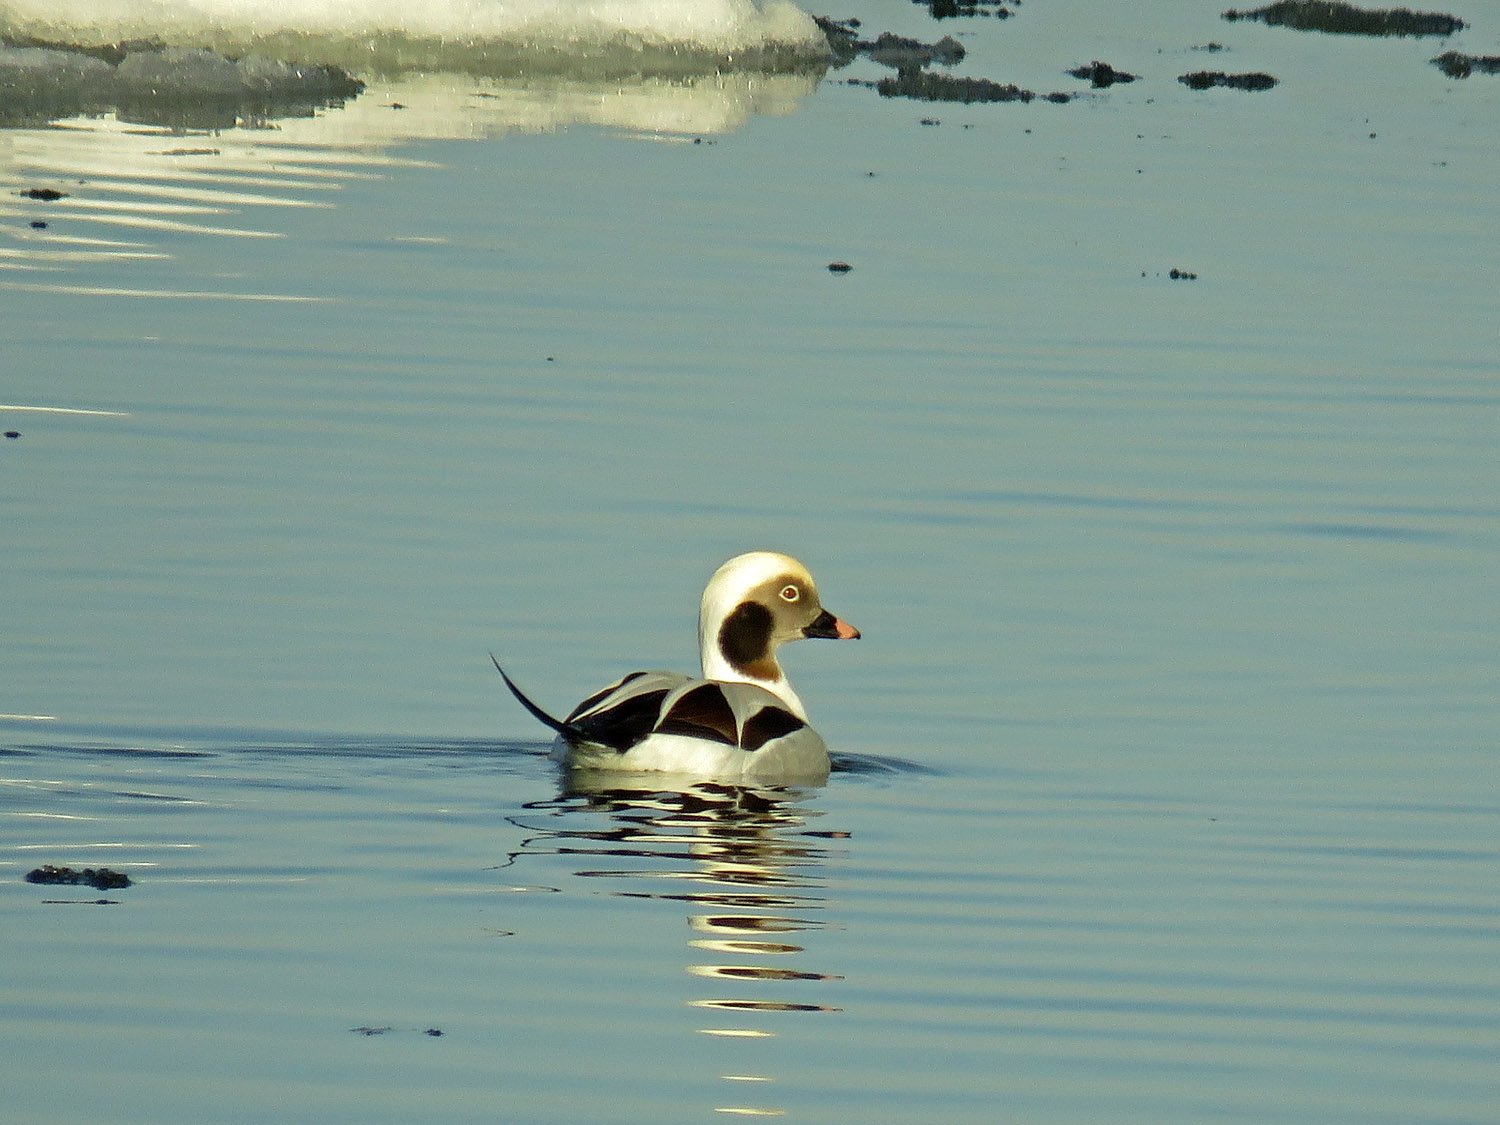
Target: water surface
(1169, 788)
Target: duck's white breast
(796, 758)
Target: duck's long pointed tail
(558, 725)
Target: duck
(740, 720)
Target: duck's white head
(753, 605)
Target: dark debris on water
(948, 88)
(892, 50)
(953, 9)
(1345, 19)
(910, 58)
(1455, 65)
(1101, 75)
(101, 879)
(1208, 79)
(899, 52)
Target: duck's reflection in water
(746, 863)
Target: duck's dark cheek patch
(745, 636)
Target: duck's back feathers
(699, 710)
(644, 704)
(665, 722)
(622, 714)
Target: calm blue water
(1168, 786)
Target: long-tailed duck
(740, 720)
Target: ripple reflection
(747, 865)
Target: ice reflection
(746, 863)
(115, 138)
(112, 188)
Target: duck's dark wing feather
(701, 712)
(768, 723)
(645, 703)
(736, 714)
(624, 713)
(603, 693)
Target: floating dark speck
(12, 434)
(839, 267)
(38, 224)
(1101, 75)
(46, 194)
(1182, 275)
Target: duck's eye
(790, 593)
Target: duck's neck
(764, 673)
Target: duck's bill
(832, 628)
